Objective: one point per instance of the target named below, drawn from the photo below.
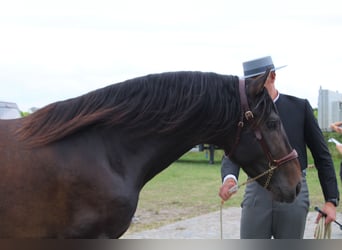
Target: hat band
(259, 70)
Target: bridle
(273, 164)
(247, 114)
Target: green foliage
(315, 111)
(23, 113)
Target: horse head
(262, 148)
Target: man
(337, 127)
(261, 217)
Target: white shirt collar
(277, 97)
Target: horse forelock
(263, 107)
(159, 103)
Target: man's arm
(337, 127)
(229, 173)
(324, 164)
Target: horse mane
(158, 103)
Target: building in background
(9, 110)
(329, 108)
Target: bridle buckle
(249, 115)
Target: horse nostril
(298, 187)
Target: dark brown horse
(74, 169)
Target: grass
(189, 187)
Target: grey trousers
(263, 218)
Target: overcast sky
(54, 50)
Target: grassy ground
(189, 187)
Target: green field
(189, 187)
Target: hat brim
(260, 73)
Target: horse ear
(257, 85)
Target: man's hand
(330, 210)
(339, 148)
(337, 127)
(224, 191)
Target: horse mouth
(287, 196)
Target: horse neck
(153, 146)
(148, 156)
(142, 158)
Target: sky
(55, 50)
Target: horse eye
(273, 124)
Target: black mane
(175, 102)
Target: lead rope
(236, 188)
(221, 223)
(322, 230)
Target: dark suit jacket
(303, 131)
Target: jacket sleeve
(321, 155)
(229, 167)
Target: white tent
(9, 110)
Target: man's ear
(272, 74)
